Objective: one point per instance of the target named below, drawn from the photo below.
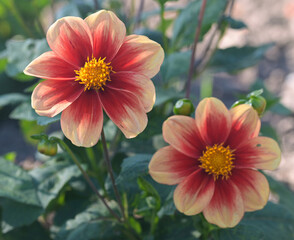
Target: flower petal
(138, 84)
(70, 38)
(51, 97)
(168, 166)
(181, 132)
(213, 121)
(245, 125)
(82, 121)
(226, 207)
(108, 33)
(50, 66)
(253, 186)
(125, 110)
(194, 193)
(139, 54)
(260, 152)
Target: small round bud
(258, 103)
(239, 102)
(47, 147)
(183, 107)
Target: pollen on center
(94, 74)
(218, 161)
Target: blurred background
(267, 21)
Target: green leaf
(164, 95)
(25, 111)
(15, 214)
(12, 98)
(152, 34)
(234, 59)
(186, 23)
(234, 23)
(149, 190)
(272, 223)
(286, 196)
(90, 224)
(175, 65)
(33, 232)
(132, 168)
(51, 179)
(21, 52)
(162, 2)
(16, 184)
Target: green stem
(197, 35)
(91, 184)
(163, 29)
(110, 171)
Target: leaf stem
(64, 146)
(197, 34)
(110, 171)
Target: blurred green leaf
(152, 34)
(285, 195)
(149, 190)
(10, 156)
(186, 23)
(268, 131)
(25, 111)
(234, 23)
(90, 224)
(232, 60)
(50, 179)
(33, 232)
(21, 52)
(12, 98)
(16, 184)
(271, 223)
(164, 95)
(29, 128)
(175, 65)
(16, 214)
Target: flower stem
(64, 146)
(197, 34)
(138, 16)
(163, 28)
(96, 4)
(110, 171)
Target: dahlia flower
(94, 67)
(214, 159)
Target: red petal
(213, 121)
(70, 38)
(51, 97)
(245, 125)
(253, 186)
(139, 54)
(226, 207)
(82, 121)
(125, 110)
(260, 152)
(138, 84)
(181, 132)
(108, 33)
(50, 66)
(168, 166)
(194, 193)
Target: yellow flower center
(217, 160)
(94, 74)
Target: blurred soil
(267, 21)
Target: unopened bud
(183, 107)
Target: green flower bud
(47, 147)
(183, 107)
(239, 102)
(258, 103)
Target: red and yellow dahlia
(93, 65)
(214, 160)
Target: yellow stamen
(94, 74)
(217, 160)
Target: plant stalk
(91, 184)
(197, 34)
(110, 171)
